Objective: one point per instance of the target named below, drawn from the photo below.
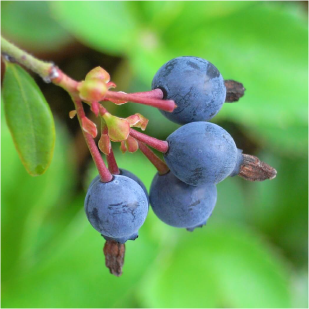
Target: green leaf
(279, 208)
(290, 139)
(219, 266)
(201, 13)
(30, 24)
(227, 208)
(300, 283)
(107, 26)
(76, 252)
(26, 201)
(29, 119)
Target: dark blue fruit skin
(117, 209)
(128, 174)
(191, 229)
(196, 86)
(180, 205)
(239, 162)
(201, 153)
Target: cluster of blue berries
(200, 155)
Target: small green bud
(118, 128)
(98, 73)
(93, 90)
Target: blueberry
(201, 153)
(125, 173)
(195, 85)
(239, 162)
(134, 177)
(117, 209)
(181, 205)
(191, 229)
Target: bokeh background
(253, 251)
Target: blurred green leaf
(219, 266)
(77, 253)
(231, 203)
(176, 18)
(300, 285)
(279, 208)
(29, 118)
(245, 48)
(287, 139)
(158, 14)
(30, 24)
(107, 26)
(26, 201)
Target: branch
(234, 91)
(253, 169)
(14, 54)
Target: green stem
(38, 66)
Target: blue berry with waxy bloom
(201, 153)
(239, 162)
(124, 172)
(181, 205)
(191, 229)
(196, 86)
(116, 209)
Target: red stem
(112, 164)
(64, 81)
(111, 160)
(154, 159)
(102, 110)
(153, 94)
(157, 144)
(166, 105)
(105, 175)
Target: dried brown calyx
(114, 256)
(253, 169)
(234, 90)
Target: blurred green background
(253, 251)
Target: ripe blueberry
(195, 85)
(124, 172)
(239, 162)
(201, 153)
(181, 205)
(117, 209)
